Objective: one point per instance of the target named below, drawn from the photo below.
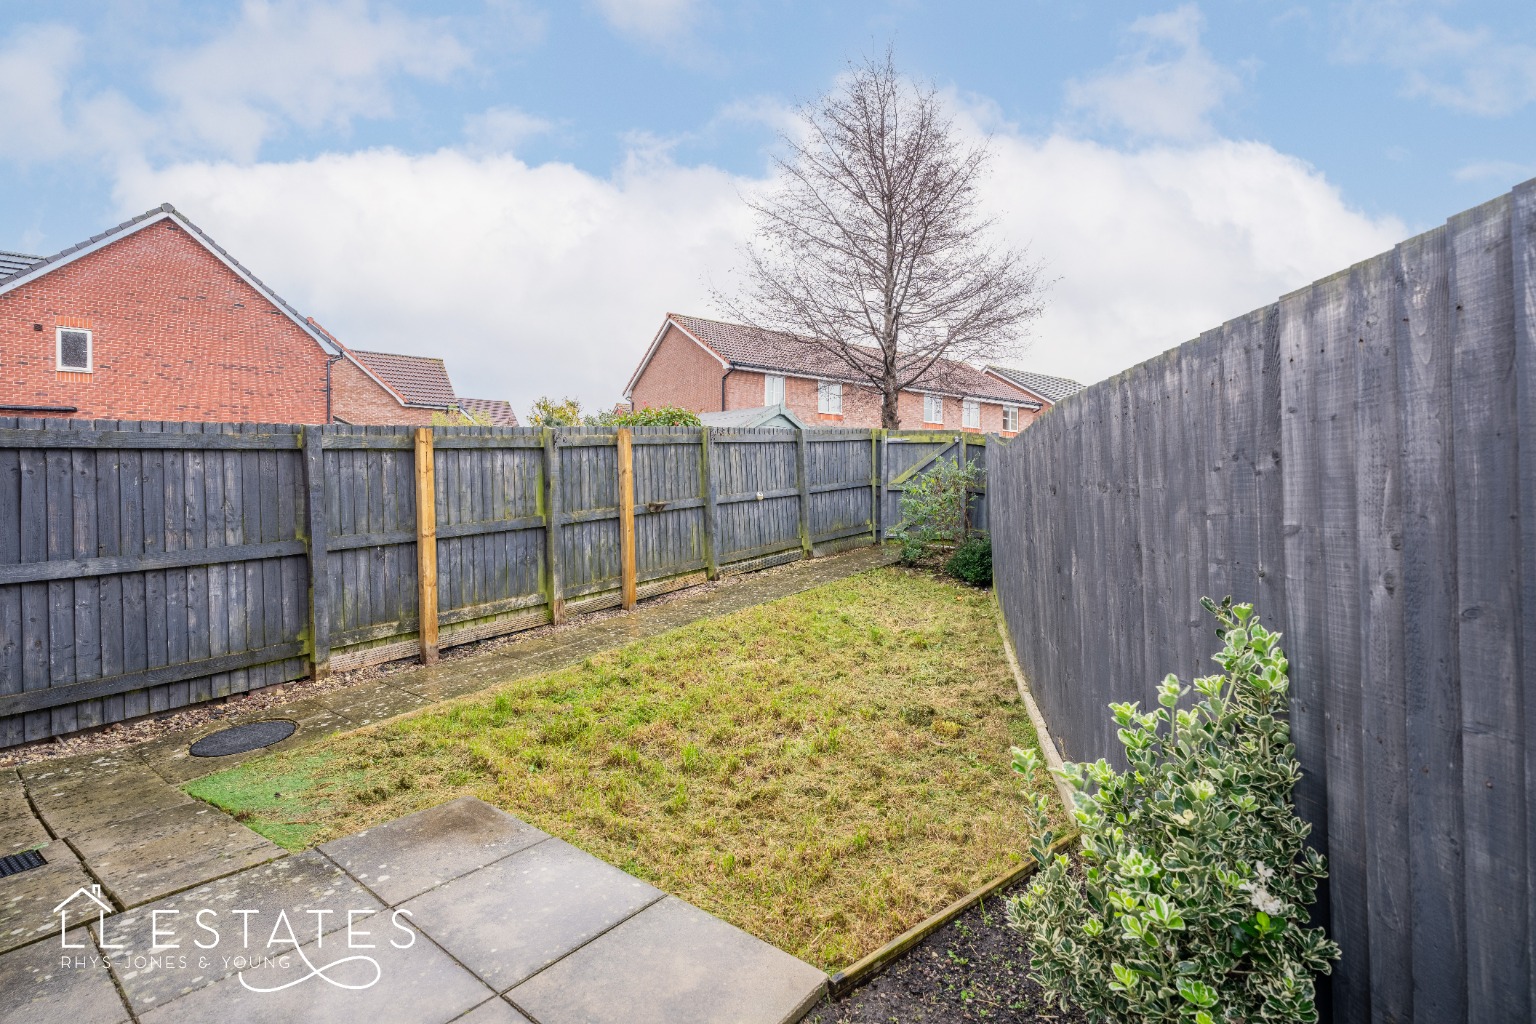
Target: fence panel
(147, 566)
(1358, 460)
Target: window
(829, 397)
(933, 408)
(970, 414)
(1011, 417)
(773, 389)
(74, 350)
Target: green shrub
(662, 416)
(1192, 902)
(972, 561)
(936, 508)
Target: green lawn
(823, 771)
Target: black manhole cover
(251, 736)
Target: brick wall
(176, 335)
(683, 374)
(357, 398)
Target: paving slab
(213, 923)
(672, 964)
(74, 804)
(367, 703)
(164, 851)
(493, 1011)
(408, 856)
(518, 915)
(13, 796)
(417, 985)
(27, 899)
(37, 988)
(170, 757)
(21, 832)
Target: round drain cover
(251, 736)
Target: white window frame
(58, 350)
(970, 413)
(1011, 418)
(937, 402)
(773, 389)
(829, 397)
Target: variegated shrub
(1191, 904)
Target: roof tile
(754, 348)
(421, 380)
(1052, 389)
(498, 411)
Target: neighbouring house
(713, 367)
(493, 412)
(1043, 387)
(153, 320)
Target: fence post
(552, 527)
(885, 484)
(426, 544)
(874, 485)
(805, 492)
(626, 519)
(315, 532)
(707, 492)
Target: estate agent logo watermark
(281, 954)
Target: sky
(526, 188)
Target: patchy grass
(823, 771)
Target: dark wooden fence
(1359, 461)
(148, 566)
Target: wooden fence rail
(1359, 461)
(148, 566)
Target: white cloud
(527, 279)
(1505, 172)
(46, 115)
(316, 66)
(502, 129)
(547, 279)
(1476, 70)
(656, 21)
(1154, 246)
(1167, 87)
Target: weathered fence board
(1359, 461)
(148, 566)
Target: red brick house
(710, 366)
(154, 320)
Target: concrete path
(457, 913)
(120, 823)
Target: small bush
(1192, 902)
(936, 508)
(972, 561)
(661, 416)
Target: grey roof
(163, 210)
(776, 352)
(16, 262)
(758, 416)
(497, 410)
(1052, 389)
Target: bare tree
(873, 248)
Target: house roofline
(650, 353)
(164, 211)
(1044, 401)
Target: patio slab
(408, 856)
(493, 1011)
(36, 988)
(163, 851)
(672, 964)
(417, 985)
(225, 918)
(367, 703)
(27, 899)
(72, 804)
(514, 917)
